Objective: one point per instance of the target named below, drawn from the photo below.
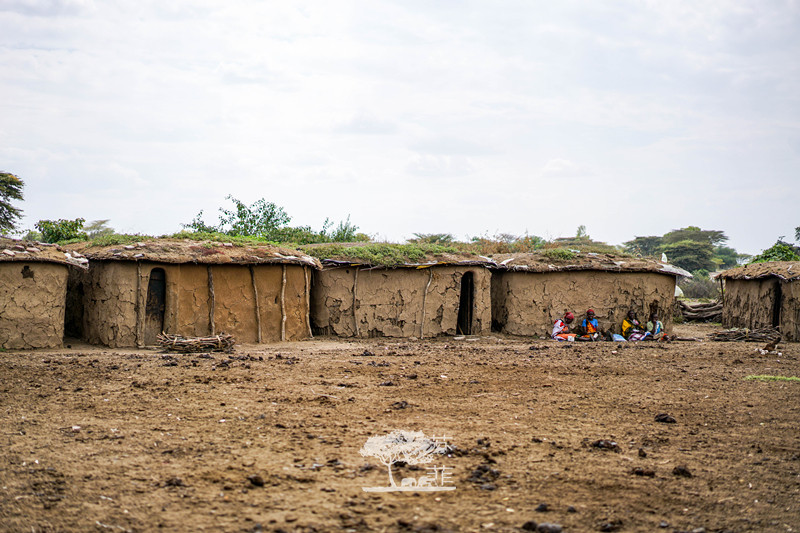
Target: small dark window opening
(27, 272)
(776, 305)
(466, 302)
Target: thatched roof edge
(172, 251)
(785, 270)
(541, 263)
(337, 263)
(17, 250)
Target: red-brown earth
(268, 438)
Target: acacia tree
(412, 447)
(644, 246)
(10, 189)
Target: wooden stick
(307, 276)
(355, 292)
(139, 319)
(211, 301)
(283, 305)
(258, 306)
(424, 297)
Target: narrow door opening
(155, 306)
(776, 305)
(466, 302)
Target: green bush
(780, 251)
(62, 230)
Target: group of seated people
(589, 329)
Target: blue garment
(593, 322)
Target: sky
(473, 118)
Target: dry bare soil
(268, 438)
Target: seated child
(589, 328)
(656, 329)
(561, 328)
(630, 328)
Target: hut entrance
(156, 304)
(466, 302)
(776, 305)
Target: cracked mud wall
(790, 311)
(114, 310)
(389, 302)
(528, 304)
(751, 304)
(32, 302)
(109, 309)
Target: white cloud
(325, 107)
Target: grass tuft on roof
(380, 254)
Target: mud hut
(531, 291)
(33, 289)
(384, 291)
(763, 295)
(131, 293)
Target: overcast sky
(463, 117)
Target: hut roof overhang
(38, 252)
(583, 261)
(785, 270)
(341, 255)
(182, 251)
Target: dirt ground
(268, 438)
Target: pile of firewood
(769, 335)
(217, 343)
(711, 311)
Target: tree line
(697, 250)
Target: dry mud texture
(394, 302)
(124, 440)
(32, 299)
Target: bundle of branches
(700, 311)
(217, 343)
(770, 335)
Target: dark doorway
(156, 304)
(776, 305)
(466, 302)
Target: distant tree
(725, 256)
(691, 255)
(644, 246)
(32, 235)
(62, 230)
(98, 228)
(504, 243)
(433, 238)
(10, 189)
(581, 232)
(693, 233)
(585, 244)
(797, 233)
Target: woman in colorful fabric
(561, 328)
(631, 328)
(589, 328)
